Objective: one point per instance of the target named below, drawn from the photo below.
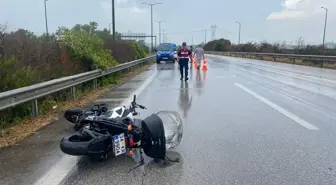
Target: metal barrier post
(34, 108)
(95, 83)
(73, 91)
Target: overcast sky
(271, 20)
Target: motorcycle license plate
(165, 58)
(119, 144)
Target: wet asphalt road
(245, 122)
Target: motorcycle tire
(71, 113)
(80, 144)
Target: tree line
(26, 58)
(264, 47)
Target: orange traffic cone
(194, 62)
(205, 67)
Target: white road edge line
(283, 111)
(60, 171)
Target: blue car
(166, 52)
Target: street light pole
(151, 5)
(325, 26)
(46, 17)
(205, 36)
(113, 20)
(239, 32)
(160, 30)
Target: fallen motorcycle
(78, 116)
(102, 137)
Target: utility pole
(213, 30)
(205, 36)
(151, 5)
(113, 21)
(325, 26)
(46, 17)
(239, 32)
(163, 34)
(160, 30)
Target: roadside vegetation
(27, 59)
(225, 45)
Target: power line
(177, 33)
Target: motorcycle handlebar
(142, 107)
(134, 105)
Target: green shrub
(139, 51)
(84, 44)
(13, 75)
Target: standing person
(184, 53)
(199, 56)
(192, 53)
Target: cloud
(303, 18)
(301, 9)
(286, 14)
(129, 16)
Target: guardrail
(32, 93)
(320, 58)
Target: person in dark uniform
(184, 53)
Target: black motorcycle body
(101, 137)
(98, 138)
(100, 111)
(76, 115)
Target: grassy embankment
(27, 59)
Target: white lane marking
(283, 111)
(137, 92)
(60, 171)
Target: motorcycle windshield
(173, 127)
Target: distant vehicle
(166, 52)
